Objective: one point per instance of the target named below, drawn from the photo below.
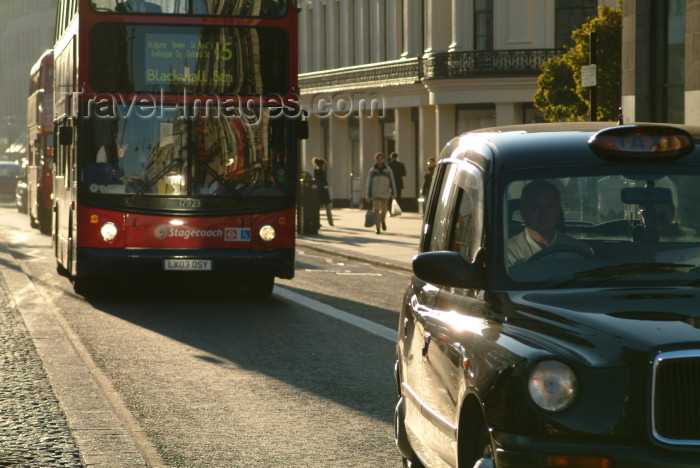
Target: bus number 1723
(190, 203)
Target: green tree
(560, 95)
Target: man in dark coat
(399, 171)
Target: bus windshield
(226, 8)
(162, 152)
(127, 58)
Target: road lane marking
(337, 272)
(350, 273)
(359, 322)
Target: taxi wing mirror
(447, 268)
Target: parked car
(9, 172)
(21, 188)
(553, 318)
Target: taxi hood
(609, 327)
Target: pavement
(55, 408)
(349, 238)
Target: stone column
(460, 25)
(377, 31)
(361, 33)
(446, 125)
(406, 149)
(427, 143)
(509, 113)
(437, 35)
(346, 29)
(339, 159)
(332, 35)
(413, 28)
(393, 29)
(319, 45)
(304, 46)
(313, 146)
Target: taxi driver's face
(541, 211)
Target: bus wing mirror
(65, 135)
(303, 127)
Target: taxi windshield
(621, 227)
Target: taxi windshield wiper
(625, 270)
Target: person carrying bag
(380, 187)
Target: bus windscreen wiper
(222, 182)
(155, 179)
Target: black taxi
(553, 317)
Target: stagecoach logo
(161, 232)
(229, 234)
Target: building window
(474, 116)
(483, 24)
(668, 53)
(531, 114)
(570, 15)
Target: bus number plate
(186, 264)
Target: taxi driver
(540, 208)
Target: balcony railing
(445, 65)
(494, 63)
(397, 72)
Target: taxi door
(446, 323)
(419, 332)
(419, 301)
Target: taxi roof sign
(641, 143)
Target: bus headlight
(267, 233)
(108, 231)
(552, 385)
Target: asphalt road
(208, 379)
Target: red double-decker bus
(178, 126)
(40, 145)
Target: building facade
(661, 61)
(408, 75)
(26, 31)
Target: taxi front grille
(675, 403)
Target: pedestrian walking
(323, 191)
(428, 180)
(380, 187)
(399, 171)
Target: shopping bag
(395, 208)
(369, 218)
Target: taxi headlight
(552, 385)
(108, 231)
(267, 233)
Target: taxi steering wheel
(559, 249)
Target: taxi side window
(467, 226)
(441, 207)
